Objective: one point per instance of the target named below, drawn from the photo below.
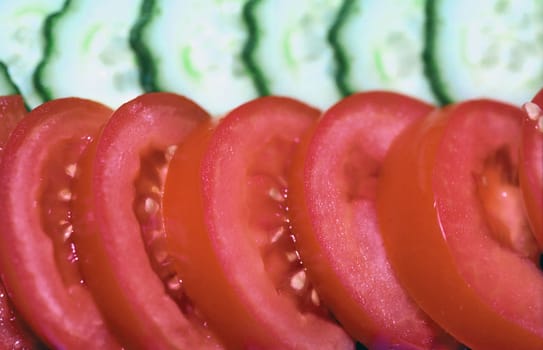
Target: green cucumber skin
(7, 85)
(49, 49)
(249, 49)
(143, 54)
(341, 58)
(430, 64)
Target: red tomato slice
(14, 334)
(452, 218)
(117, 216)
(12, 110)
(226, 219)
(531, 165)
(37, 256)
(332, 201)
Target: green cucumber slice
(7, 86)
(289, 51)
(380, 43)
(88, 53)
(193, 47)
(22, 41)
(485, 49)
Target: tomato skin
(431, 266)
(531, 170)
(31, 270)
(332, 201)
(12, 109)
(115, 263)
(13, 332)
(207, 208)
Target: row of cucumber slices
(221, 53)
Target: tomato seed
(277, 234)
(65, 195)
(276, 194)
(297, 282)
(71, 170)
(533, 110)
(315, 297)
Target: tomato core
(498, 188)
(268, 217)
(149, 187)
(56, 214)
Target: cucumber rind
(49, 48)
(342, 61)
(431, 66)
(488, 49)
(380, 46)
(7, 85)
(201, 60)
(91, 49)
(247, 54)
(24, 43)
(143, 54)
(290, 52)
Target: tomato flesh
(228, 225)
(487, 294)
(117, 210)
(334, 184)
(36, 253)
(14, 333)
(531, 165)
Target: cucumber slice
(380, 43)
(88, 53)
(289, 50)
(22, 41)
(7, 86)
(487, 48)
(193, 47)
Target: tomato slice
(12, 110)
(452, 219)
(332, 201)
(531, 165)
(228, 228)
(117, 216)
(37, 256)
(14, 333)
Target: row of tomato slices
(383, 220)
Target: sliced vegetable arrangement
(382, 221)
(221, 53)
(270, 174)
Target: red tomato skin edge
(413, 155)
(63, 321)
(12, 109)
(531, 171)
(359, 323)
(239, 328)
(13, 331)
(159, 324)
